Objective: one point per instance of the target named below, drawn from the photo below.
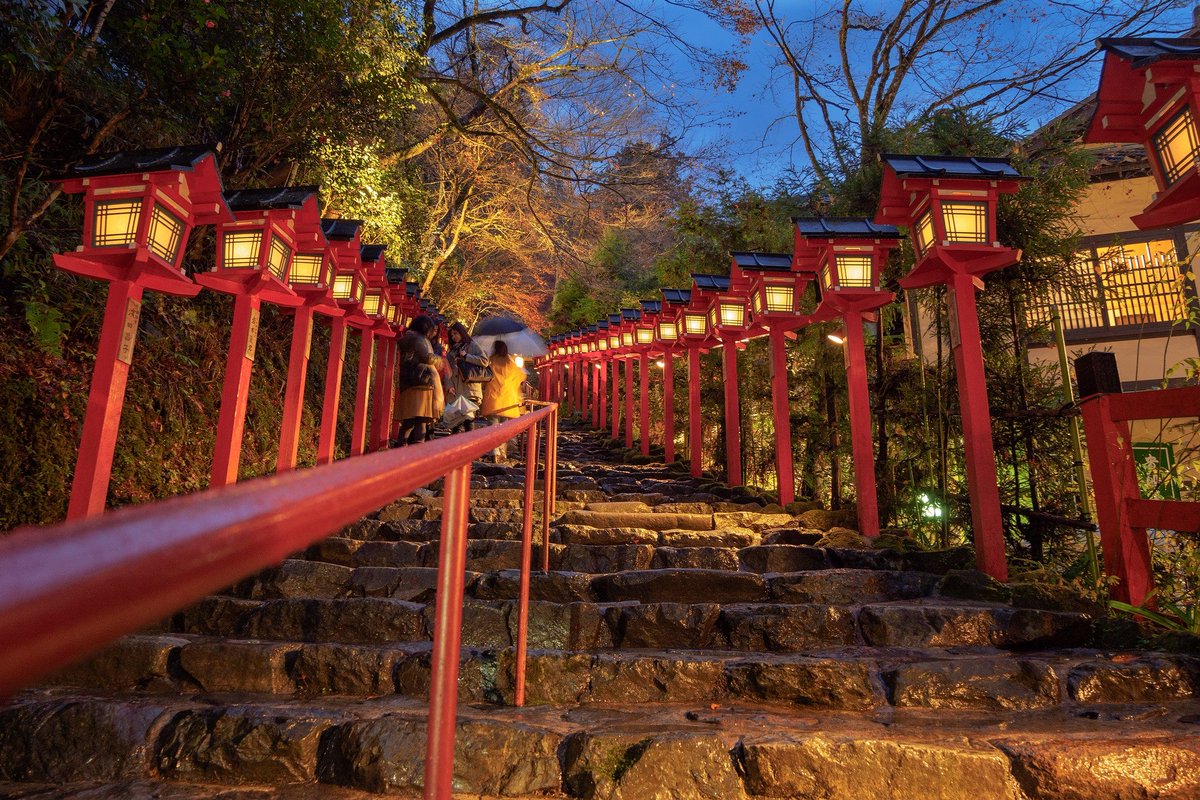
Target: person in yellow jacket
(502, 395)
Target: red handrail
(71, 588)
(1122, 514)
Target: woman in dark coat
(415, 398)
(464, 357)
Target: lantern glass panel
(614, 342)
(780, 298)
(165, 234)
(343, 287)
(965, 222)
(854, 272)
(278, 257)
(1177, 145)
(733, 315)
(666, 332)
(115, 222)
(826, 275)
(757, 303)
(603, 344)
(627, 339)
(358, 291)
(695, 324)
(923, 232)
(306, 269)
(371, 304)
(645, 335)
(241, 249)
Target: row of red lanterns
(949, 205)
(1149, 95)
(272, 246)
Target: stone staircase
(688, 642)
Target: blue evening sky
(753, 123)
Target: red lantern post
(645, 334)
(602, 364)
(349, 286)
(139, 210)
(693, 330)
(776, 295)
(372, 324)
(254, 259)
(667, 337)
(1150, 95)
(849, 256)
(729, 318)
(311, 278)
(629, 317)
(949, 205)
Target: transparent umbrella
(521, 340)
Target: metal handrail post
(447, 636)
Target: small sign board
(252, 335)
(129, 329)
(1155, 463)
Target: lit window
(965, 222)
(733, 315)
(645, 335)
(666, 331)
(1177, 146)
(306, 269)
(854, 272)
(116, 223)
(165, 234)
(343, 287)
(923, 232)
(1117, 286)
(241, 249)
(278, 257)
(780, 298)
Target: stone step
(702, 750)
(853, 678)
(485, 555)
(298, 578)
(749, 626)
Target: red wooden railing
(1122, 514)
(70, 589)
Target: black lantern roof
(602, 325)
(341, 230)
(651, 306)
(396, 276)
(1142, 52)
(593, 328)
(677, 296)
(162, 159)
(631, 314)
(773, 262)
(615, 319)
(950, 167)
(371, 252)
(848, 227)
(715, 283)
(265, 199)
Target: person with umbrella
(469, 371)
